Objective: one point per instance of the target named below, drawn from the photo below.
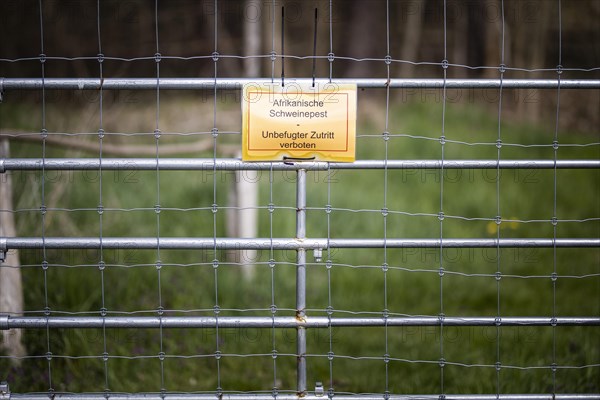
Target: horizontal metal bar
(233, 164)
(192, 243)
(80, 322)
(236, 83)
(285, 396)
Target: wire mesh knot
(44, 133)
(42, 58)
(329, 310)
(442, 140)
(47, 311)
(441, 216)
(554, 276)
(330, 57)
(384, 211)
(441, 318)
(555, 145)
(386, 358)
(498, 366)
(498, 321)
(553, 321)
(554, 221)
(161, 356)
(101, 265)
(386, 313)
(43, 209)
(157, 208)
(498, 144)
(100, 58)
(386, 136)
(157, 133)
(101, 133)
(157, 57)
(215, 56)
(442, 362)
(273, 354)
(445, 64)
(158, 265)
(330, 355)
(100, 209)
(215, 264)
(49, 356)
(502, 68)
(388, 59)
(441, 271)
(498, 220)
(328, 264)
(328, 209)
(271, 208)
(498, 275)
(103, 311)
(271, 263)
(214, 132)
(384, 267)
(160, 311)
(559, 69)
(217, 355)
(45, 265)
(215, 208)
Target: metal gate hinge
(4, 391)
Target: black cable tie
(282, 46)
(314, 66)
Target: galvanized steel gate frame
(300, 243)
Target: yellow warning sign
(299, 121)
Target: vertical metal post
(301, 281)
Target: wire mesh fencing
(457, 257)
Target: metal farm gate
(319, 330)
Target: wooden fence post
(11, 289)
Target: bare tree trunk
(11, 290)
(242, 216)
(460, 49)
(493, 37)
(539, 36)
(412, 36)
(366, 17)
(271, 35)
(252, 38)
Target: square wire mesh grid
(459, 254)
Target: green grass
(355, 283)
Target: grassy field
(354, 285)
